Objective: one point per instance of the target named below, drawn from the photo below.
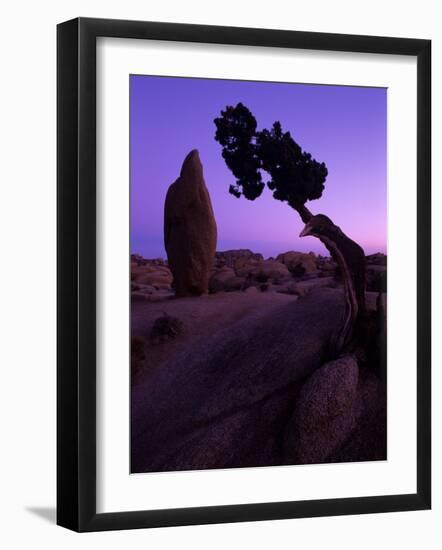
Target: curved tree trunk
(351, 260)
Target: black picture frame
(76, 274)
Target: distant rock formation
(190, 229)
(261, 270)
(155, 275)
(377, 259)
(229, 257)
(225, 279)
(298, 263)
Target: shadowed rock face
(224, 402)
(190, 229)
(325, 413)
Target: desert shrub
(165, 328)
(262, 277)
(297, 270)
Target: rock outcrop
(190, 229)
(218, 403)
(377, 259)
(241, 271)
(325, 413)
(157, 276)
(262, 271)
(229, 257)
(298, 263)
(368, 440)
(245, 378)
(225, 279)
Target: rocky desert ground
(243, 376)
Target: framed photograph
(230, 201)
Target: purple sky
(345, 127)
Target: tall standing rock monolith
(190, 229)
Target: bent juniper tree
(296, 178)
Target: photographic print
(258, 263)
(223, 242)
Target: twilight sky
(345, 127)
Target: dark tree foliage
(236, 132)
(295, 177)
